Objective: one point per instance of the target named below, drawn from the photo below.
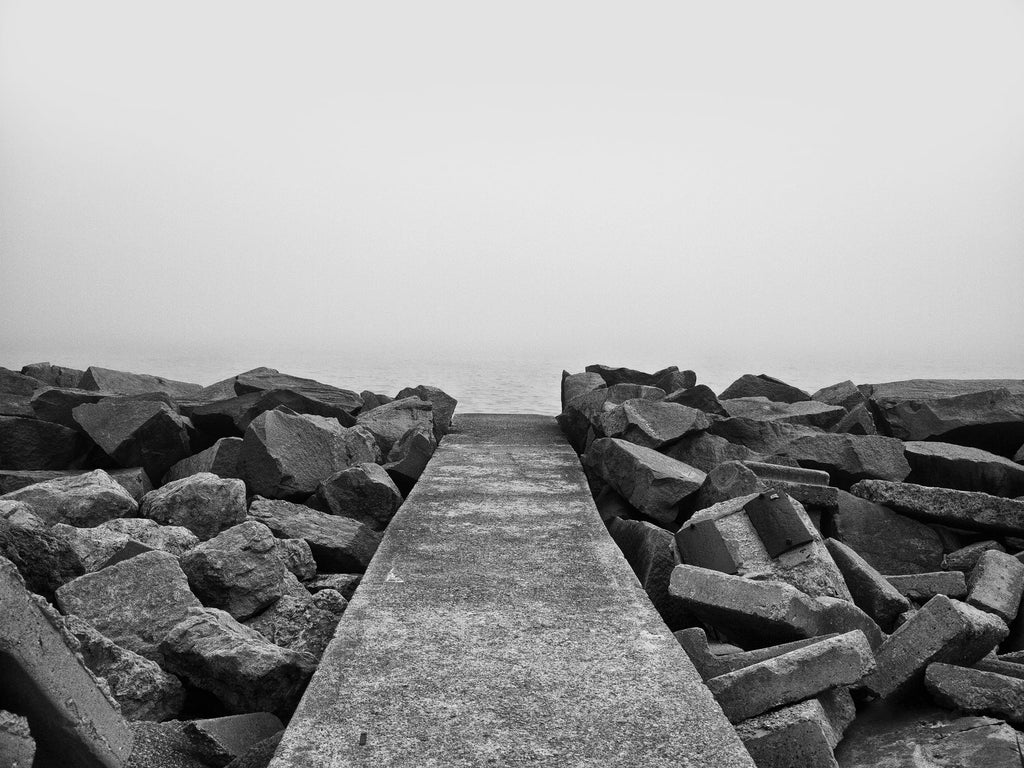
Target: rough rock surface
(297, 557)
(706, 451)
(54, 375)
(996, 584)
(225, 739)
(93, 547)
(45, 560)
(922, 587)
(965, 558)
(766, 386)
(125, 383)
(849, 458)
(613, 375)
(239, 570)
(976, 692)
(649, 551)
(759, 435)
(56, 404)
(807, 413)
(267, 379)
(576, 384)
(134, 603)
(727, 480)
(582, 415)
(34, 444)
(304, 624)
(653, 424)
(17, 747)
(442, 406)
(389, 422)
(700, 397)
(363, 492)
(175, 539)
(203, 503)
(802, 734)
(870, 590)
(83, 500)
(220, 459)
(408, 457)
(845, 394)
(964, 468)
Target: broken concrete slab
(808, 486)
(968, 469)
(996, 584)
(976, 691)
(711, 664)
(965, 558)
(869, 589)
(803, 734)
(922, 587)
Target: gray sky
(605, 181)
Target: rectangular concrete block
(922, 587)
(996, 584)
(76, 725)
(710, 664)
(943, 630)
(976, 691)
(871, 592)
(801, 674)
(803, 734)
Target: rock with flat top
(54, 375)
(83, 500)
(996, 584)
(613, 375)
(763, 385)
(652, 424)
(203, 503)
(33, 444)
(363, 492)
(803, 734)
(125, 383)
(576, 384)
(268, 379)
(710, 664)
(389, 422)
(706, 451)
(922, 587)
(807, 413)
(967, 469)
(845, 394)
(975, 691)
(849, 458)
(759, 435)
(442, 406)
(175, 539)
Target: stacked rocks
(182, 554)
(848, 562)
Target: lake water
(490, 383)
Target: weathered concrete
(499, 624)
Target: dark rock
(227, 417)
(653, 483)
(968, 469)
(986, 414)
(976, 692)
(712, 664)
(339, 544)
(305, 624)
(54, 375)
(698, 396)
(300, 403)
(760, 436)
(962, 509)
(225, 388)
(442, 406)
(224, 739)
(13, 383)
(372, 400)
(236, 664)
(613, 375)
(409, 456)
(727, 480)
(144, 691)
(389, 422)
(239, 570)
(46, 562)
(765, 386)
(137, 433)
(808, 486)
(343, 583)
(871, 592)
(220, 459)
(286, 455)
(266, 379)
(94, 547)
(806, 413)
(363, 492)
(124, 383)
(582, 415)
(259, 754)
(17, 747)
(674, 381)
(297, 557)
(576, 384)
(996, 584)
(35, 444)
(83, 500)
(922, 587)
(965, 558)
(134, 603)
(706, 451)
(649, 550)
(16, 405)
(134, 480)
(849, 458)
(55, 404)
(858, 421)
(802, 734)
(203, 503)
(839, 615)
(845, 394)
(652, 424)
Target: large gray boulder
(580, 420)
(409, 456)
(175, 539)
(442, 406)
(760, 436)
(267, 379)
(387, 423)
(82, 500)
(967, 469)
(33, 444)
(286, 455)
(576, 384)
(56, 404)
(706, 451)
(698, 396)
(763, 385)
(125, 383)
(137, 433)
(239, 570)
(808, 413)
(339, 544)
(220, 459)
(613, 375)
(134, 479)
(203, 503)
(364, 492)
(44, 559)
(652, 424)
(845, 394)
(54, 375)
(302, 623)
(849, 458)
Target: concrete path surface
(498, 625)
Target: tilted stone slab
(652, 424)
(922, 587)
(695, 642)
(763, 385)
(807, 413)
(849, 458)
(996, 584)
(794, 676)
(389, 422)
(976, 691)
(28, 444)
(964, 468)
(649, 551)
(870, 590)
(126, 383)
(803, 734)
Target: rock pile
(827, 559)
(174, 559)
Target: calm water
(489, 383)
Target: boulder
(576, 384)
(859, 421)
(225, 739)
(922, 587)
(849, 458)
(225, 417)
(807, 413)
(968, 469)
(711, 663)
(83, 500)
(17, 747)
(800, 674)
(802, 734)
(54, 375)
(286, 455)
(986, 414)
(580, 420)
(16, 405)
(976, 692)
(373, 399)
(674, 381)
(141, 688)
(442, 406)
(203, 503)
(14, 383)
(34, 444)
(699, 396)
(124, 383)
(136, 433)
(996, 584)
(134, 480)
(134, 603)
(267, 379)
(652, 424)
(836, 615)
(649, 550)
(297, 556)
(727, 480)
(409, 456)
(878, 598)
(45, 561)
(845, 394)
(706, 451)
(343, 583)
(961, 509)
(74, 721)
(339, 544)
(239, 666)
(764, 386)
(175, 539)
(220, 459)
(304, 624)
(760, 436)
(239, 570)
(363, 492)
(652, 482)
(389, 422)
(92, 547)
(943, 630)
(907, 546)
(56, 404)
(965, 558)
(618, 375)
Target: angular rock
(674, 381)
(125, 383)
(134, 480)
(806, 413)
(34, 444)
(582, 416)
(943, 630)
(93, 547)
(922, 587)
(761, 436)
(870, 590)
(286, 455)
(44, 559)
(962, 509)
(442, 406)
(907, 546)
(976, 692)
(808, 486)
(54, 375)
(344, 583)
(304, 624)
(652, 424)
(219, 459)
(227, 738)
(245, 671)
(849, 458)
(239, 570)
(706, 451)
(728, 480)
(225, 417)
(266, 379)
(17, 747)
(83, 500)
(800, 674)
(967, 469)
(76, 725)
(137, 433)
(297, 557)
(965, 558)
(56, 404)
(144, 691)
(576, 384)
(363, 492)
(16, 405)
(695, 642)
(765, 386)
(649, 551)
(613, 375)
(14, 383)
(836, 615)
(389, 422)
(996, 584)
(203, 503)
(700, 397)
(802, 734)
(859, 421)
(174, 539)
(653, 483)
(134, 603)
(372, 400)
(339, 544)
(845, 394)
(409, 456)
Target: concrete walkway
(498, 625)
